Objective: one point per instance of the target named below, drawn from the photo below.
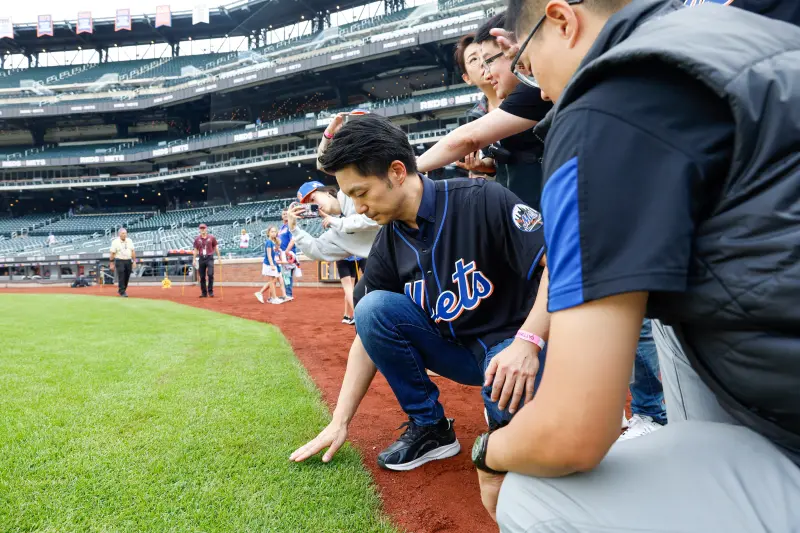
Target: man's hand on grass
(332, 438)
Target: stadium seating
(172, 218)
(89, 224)
(20, 224)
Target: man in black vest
(672, 177)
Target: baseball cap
(203, 226)
(307, 189)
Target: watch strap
(479, 454)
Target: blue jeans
(646, 390)
(403, 341)
(288, 280)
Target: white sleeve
(319, 249)
(355, 224)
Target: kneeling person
(450, 287)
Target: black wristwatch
(479, 454)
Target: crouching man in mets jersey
(451, 286)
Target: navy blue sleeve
(617, 209)
(379, 275)
(517, 230)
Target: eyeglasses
(487, 62)
(529, 80)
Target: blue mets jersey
(473, 263)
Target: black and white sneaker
(419, 445)
(346, 319)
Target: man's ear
(397, 172)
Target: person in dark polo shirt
(205, 245)
(451, 286)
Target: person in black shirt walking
(205, 245)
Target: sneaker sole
(442, 452)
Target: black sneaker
(210, 294)
(204, 296)
(419, 445)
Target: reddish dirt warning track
(441, 496)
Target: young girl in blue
(271, 269)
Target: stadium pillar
(37, 132)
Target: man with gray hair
(123, 259)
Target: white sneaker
(259, 297)
(276, 301)
(288, 299)
(345, 319)
(624, 421)
(638, 426)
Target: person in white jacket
(347, 232)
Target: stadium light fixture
(267, 183)
(202, 190)
(115, 45)
(159, 194)
(303, 17)
(80, 48)
(190, 38)
(126, 196)
(152, 42)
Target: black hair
(370, 143)
(461, 48)
(483, 35)
(519, 13)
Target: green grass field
(136, 415)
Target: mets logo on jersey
(526, 218)
(472, 285)
(690, 3)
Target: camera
(355, 113)
(309, 210)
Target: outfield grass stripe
(137, 415)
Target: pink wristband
(530, 337)
(327, 135)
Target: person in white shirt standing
(244, 239)
(122, 259)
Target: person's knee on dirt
(451, 286)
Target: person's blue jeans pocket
(498, 418)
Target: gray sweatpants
(701, 473)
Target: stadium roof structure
(240, 18)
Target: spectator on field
(513, 122)
(349, 270)
(287, 247)
(468, 58)
(122, 260)
(347, 233)
(244, 240)
(451, 286)
(271, 269)
(690, 112)
(205, 246)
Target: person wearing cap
(205, 245)
(347, 232)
